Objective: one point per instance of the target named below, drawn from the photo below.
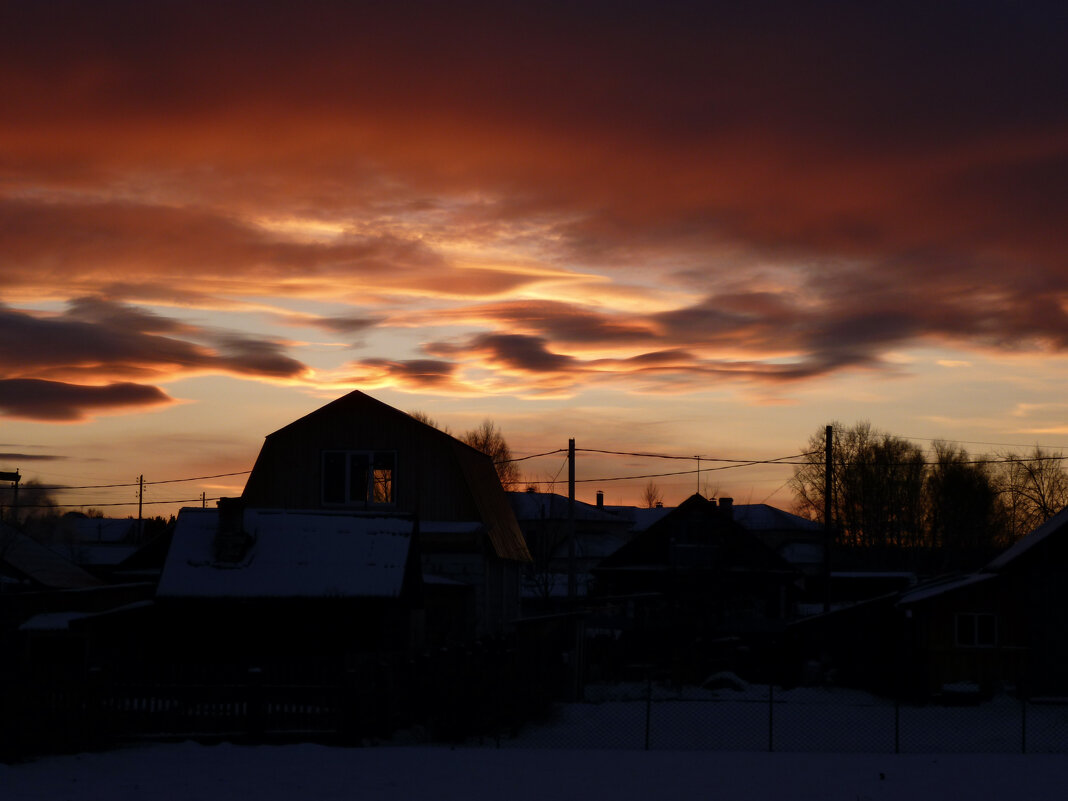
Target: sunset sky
(693, 229)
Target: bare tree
(652, 496)
(1033, 488)
(489, 439)
(877, 486)
(964, 517)
(426, 419)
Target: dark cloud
(55, 401)
(31, 457)
(511, 351)
(902, 166)
(425, 373)
(341, 324)
(100, 339)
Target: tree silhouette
(489, 439)
(652, 496)
(1033, 488)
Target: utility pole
(203, 500)
(140, 500)
(572, 579)
(698, 458)
(828, 527)
(15, 477)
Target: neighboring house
(690, 580)
(248, 585)
(98, 544)
(699, 552)
(797, 540)
(359, 455)
(26, 564)
(1002, 627)
(544, 518)
(41, 595)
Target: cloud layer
(655, 196)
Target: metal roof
(1025, 544)
(293, 555)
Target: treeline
(937, 508)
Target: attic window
(359, 478)
(976, 630)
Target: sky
(695, 229)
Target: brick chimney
(726, 505)
(600, 499)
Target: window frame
(374, 462)
(973, 622)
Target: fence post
(1023, 724)
(771, 716)
(255, 710)
(648, 706)
(897, 723)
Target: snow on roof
(924, 592)
(1025, 544)
(52, 621)
(761, 517)
(60, 621)
(38, 562)
(450, 527)
(293, 555)
(99, 529)
(95, 554)
(552, 506)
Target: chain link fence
(656, 716)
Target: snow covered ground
(705, 745)
(190, 772)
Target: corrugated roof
(293, 555)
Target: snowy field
(704, 745)
(627, 716)
(190, 772)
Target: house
(545, 520)
(359, 455)
(693, 578)
(299, 586)
(1004, 627)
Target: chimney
(231, 540)
(727, 506)
(600, 499)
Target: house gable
(434, 476)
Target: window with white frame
(353, 478)
(976, 630)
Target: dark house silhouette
(1004, 627)
(357, 455)
(694, 578)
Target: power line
(532, 456)
(146, 483)
(977, 442)
(95, 505)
